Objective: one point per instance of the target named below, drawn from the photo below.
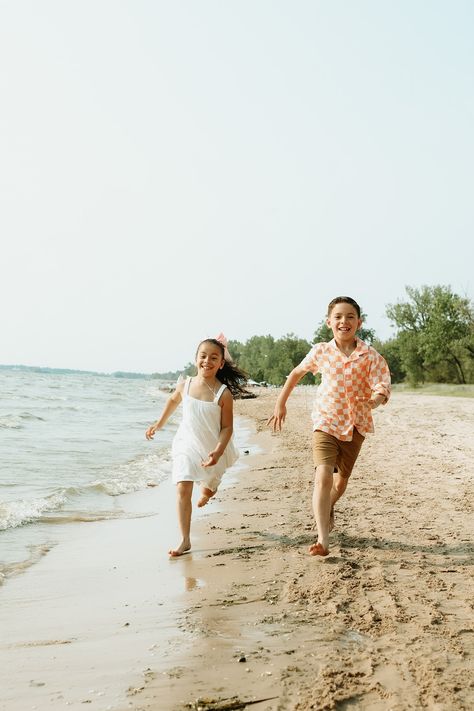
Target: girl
(202, 448)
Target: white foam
(17, 513)
(135, 475)
(14, 421)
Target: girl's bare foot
(318, 549)
(183, 548)
(206, 494)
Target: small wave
(41, 397)
(69, 408)
(155, 391)
(147, 470)
(10, 422)
(7, 570)
(14, 421)
(17, 513)
(89, 516)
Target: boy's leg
(323, 485)
(346, 458)
(339, 485)
(184, 490)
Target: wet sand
(76, 626)
(384, 622)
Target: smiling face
(209, 359)
(344, 322)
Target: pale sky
(172, 169)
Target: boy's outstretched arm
(279, 413)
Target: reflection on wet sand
(192, 584)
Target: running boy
(355, 380)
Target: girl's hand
(151, 431)
(212, 459)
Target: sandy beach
(384, 622)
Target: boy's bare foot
(318, 549)
(206, 494)
(183, 548)
(332, 522)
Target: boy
(355, 380)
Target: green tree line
(433, 342)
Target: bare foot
(183, 548)
(318, 549)
(206, 494)
(332, 522)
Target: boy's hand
(151, 431)
(376, 399)
(277, 419)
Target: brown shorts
(341, 455)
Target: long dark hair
(230, 374)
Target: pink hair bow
(223, 340)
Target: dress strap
(219, 392)
(187, 385)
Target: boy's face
(344, 322)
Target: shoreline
(385, 621)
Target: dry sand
(385, 622)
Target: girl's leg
(184, 490)
(323, 484)
(206, 494)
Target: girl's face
(209, 360)
(344, 322)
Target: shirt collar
(361, 347)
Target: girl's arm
(227, 427)
(170, 406)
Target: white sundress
(197, 435)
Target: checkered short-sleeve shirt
(347, 384)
